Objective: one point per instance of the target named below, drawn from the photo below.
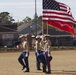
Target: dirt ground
(63, 63)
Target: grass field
(63, 63)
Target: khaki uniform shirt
(47, 46)
(25, 45)
(42, 44)
(37, 45)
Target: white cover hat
(37, 36)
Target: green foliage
(6, 18)
(9, 49)
(32, 48)
(63, 47)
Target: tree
(19, 23)
(39, 21)
(6, 18)
(27, 19)
(35, 18)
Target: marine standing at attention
(47, 47)
(37, 51)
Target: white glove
(26, 55)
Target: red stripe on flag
(63, 26)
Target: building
(60, 38)
(8, 34)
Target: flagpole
(47, 28)
(42, 28)
(42, 24)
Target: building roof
(3, 23)
(29, 28)
(7, 28)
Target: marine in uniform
(37, 51)
(47, 47)
(40, 56)
(45, 57)
(25, 54)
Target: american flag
(58, 15)
(56, 11)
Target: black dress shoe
(44, 71)
(48, 72)
(27, 71)
(23, 67)
(38, 69)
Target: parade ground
(63, 63)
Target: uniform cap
(42, 37)
(37, 36)
(23, 36)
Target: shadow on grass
(58, 72)
(63, 72)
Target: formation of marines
(42, 53)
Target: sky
(19, 9)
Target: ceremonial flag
(58, 15)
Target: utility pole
(35, 18)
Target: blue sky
(19, 9)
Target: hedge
(32, 49)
